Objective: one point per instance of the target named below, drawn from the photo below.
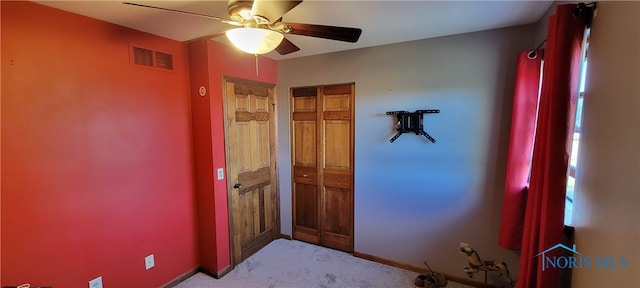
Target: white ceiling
(382, 22)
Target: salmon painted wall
(210, 61)
(0, 166)
(97, 166)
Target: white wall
(607, 202)
(415, 200)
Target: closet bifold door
(322, 164)
(304, 130)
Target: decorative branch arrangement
(476, 265)
(411, 122)
(430, 280)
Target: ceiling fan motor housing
(241, 11)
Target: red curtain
(544, 219)
(523, 119)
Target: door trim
(274, 149)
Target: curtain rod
(533, 54)
(585, 12)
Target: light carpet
(291, 263)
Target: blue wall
(416, 200)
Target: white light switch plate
(96, 283)
(149, 262)
(220, 173)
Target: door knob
(237, 186)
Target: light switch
(220, 173)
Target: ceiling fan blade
(286, 47)
(206, 37)
(328, 32)
(185, 12)
(272, 10)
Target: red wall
(209, 62)
(97, 168)
(0, 165)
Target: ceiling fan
(261, 29)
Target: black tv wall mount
(411, 122)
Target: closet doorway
(322, 135)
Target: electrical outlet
(149, 262)
(220, 173)
(96, 283)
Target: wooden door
(250, 139)
(322, 160)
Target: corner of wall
(200, 92)
(210, 62)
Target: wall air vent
(164, 60)
(143, 57)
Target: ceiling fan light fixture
(254, 40)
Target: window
(573, 162)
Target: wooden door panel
(253, 179)
(305, 225)
(305, 175)
(338, 89)
(258, 223)
(261, 103)
(305, 104)
(262, 149)
(241, 101)
(247, 87)
(337, 188)
(304, 116)
(337, 219)
(306, 206)
(337, 144)
(305, 164)
(248, 248)
(267, 202)
(337, 102)
(246, 203)
(338, 178)
(243, 146)
(337, 241)
(304, 139)
(250, 165)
